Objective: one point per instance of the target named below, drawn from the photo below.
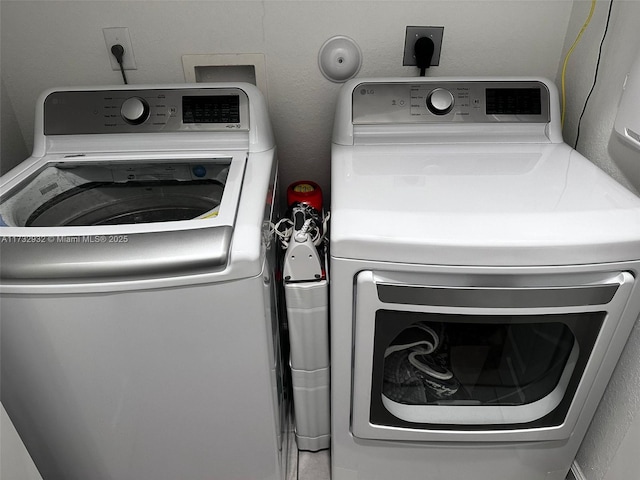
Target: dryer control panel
(451, 102)
(145, 111)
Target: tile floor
(307, 465)
(313, 466)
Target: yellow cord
(566, 59)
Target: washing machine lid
(119, 216)
(485, 205)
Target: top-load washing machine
(483, 281)
(140, 338)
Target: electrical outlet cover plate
(120, 35)
(413, 34)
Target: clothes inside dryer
(70, 194)
(476, 363)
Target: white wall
(597, 141)
(606, 450)
(57, 43)
(625, 463)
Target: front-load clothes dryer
(483, 281)
(139, 331)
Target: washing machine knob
(135, 110)
(440, 101)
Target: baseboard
(576, 472)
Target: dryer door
(507, 358)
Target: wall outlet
(120, 35)
(413, 34)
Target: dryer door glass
(517, 368)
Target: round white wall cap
(339, 59)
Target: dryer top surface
(479, 204)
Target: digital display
(513, 101)
(211, 109)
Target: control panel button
(440, 101)
(135, 110)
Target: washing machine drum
(131, 202)
(115, 194)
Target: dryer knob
(134, 110)
(440, 101)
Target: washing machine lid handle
(115, 257)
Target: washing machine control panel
(451, 102)
(146, 111)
